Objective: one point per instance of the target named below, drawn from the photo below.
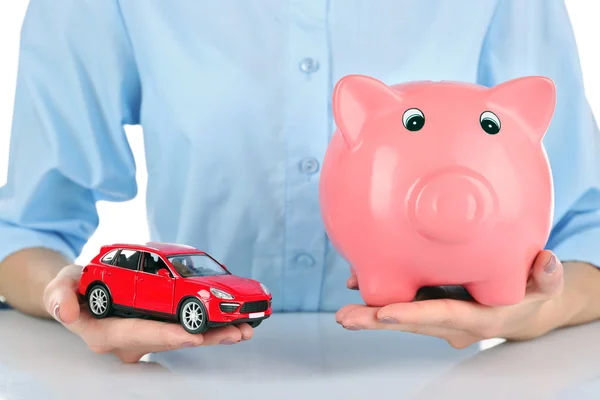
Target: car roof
(161, 247)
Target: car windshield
(190, 265)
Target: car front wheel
(99, 302)
(193, 316)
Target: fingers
(110, 334)
(352, 283)
(60, 296)
(246, 330)
(130, 356)
(547, 280)
(455, 314)
(225, 335)
(359, 317)
(132, 338)
(339, 315)
(441, 318)
(445, 313)
(363, 317)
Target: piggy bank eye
(413, 119)
(490, 122)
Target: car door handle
(140, 279)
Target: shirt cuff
(14, 238)
(584, 246)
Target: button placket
(304, 260)
(307, 136)
(309, 165)
(309, 65)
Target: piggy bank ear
(531, 99)
(356, 98)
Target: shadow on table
(309, 345)
(16, 384)
(26, 339)
(301, 341)
(310, 348)
(313, 343)
(563, 364)
(40, 354)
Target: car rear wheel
(254, 324)
(99, 302)
(193, 316)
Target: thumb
(547, 275)
(61, 297)
(352, 281)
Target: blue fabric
(4, 306)
(234, 100)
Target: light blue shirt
(234, 100)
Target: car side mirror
(164, 273)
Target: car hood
(230, 283)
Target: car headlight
(221, 294)
(265, 289)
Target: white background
(584, 15)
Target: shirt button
(309, 65)
(309, 165)
(304, 260)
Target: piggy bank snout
(452, 205)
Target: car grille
(228, 307)
(254, 306)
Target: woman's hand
(463, 323)
(128, 338)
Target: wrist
(25, 275)
(563, 309)
(579, 302)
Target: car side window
(128, 259)
(109, 257)
(152, 263)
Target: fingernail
(245, 338)
(354, 327)
(551, 266)
(56, 313)
(189, 344)
(228, 341)
(388, 320)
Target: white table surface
(300, 356)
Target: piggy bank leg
(499, 292)
(378, 290)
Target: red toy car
(171, 282)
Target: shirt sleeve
(77, 86)
(536, 38)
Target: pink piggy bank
(439, 183)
